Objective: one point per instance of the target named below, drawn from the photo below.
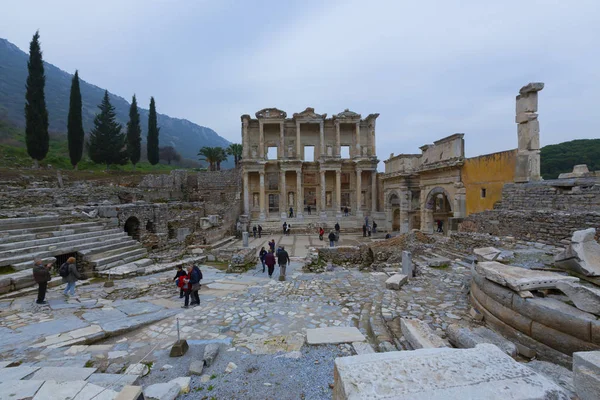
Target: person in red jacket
(270, 261)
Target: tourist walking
(364, 230)
(374, 227)
(272, 245)
(41, 276)
(308, 209)
(283, 259)
(291, 212)
(331, 238)
(321, 233)
(195, 278)
(259, 231)
(288, 229)
(440, 226)
(345, 211)
(70, 275)
(184, 284)
(261, 255)
(369, 230)
(284, 227)
(254, 230)
(270, 261)
(337, 227)
(179, 274)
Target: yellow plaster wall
(488, 172)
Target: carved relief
(273, 113)
(347, 114)
(309, 113)
(255, 200)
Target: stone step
(104, 263)
(118, 251)
(108, 246)
(10, 223)
(64, 248)
(51, 228)
(49, 234)
(29, 264)
(146, 266)
(223, 242)
(55, 240)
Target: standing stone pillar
(261, 140)
(373, 192)
(426, 212)
(358, 149)
(322, 139)
(281, 142)
(283, 204)
(359, 194)
(338, 193)
(338, 142)
(298, 144)
(245, 239)
(262, 196)
(372, 135)
(246, 194)
(299, 195)
(322, 205)
(245, 141)
(528, 132)
(404, 208)
(407, 266)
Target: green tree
(212, 155)
(134, 133)
(107, 143)
(221, 157)
(169, 154)
(75, 133)
(562, 157)
(153, 151)
(235, 150)
(36, 115)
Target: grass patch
(7, 269)
(210, 388)
(221, 266)
(443, 266)
(89, 364)
(213, 376)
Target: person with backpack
(331, 238)
(41, 276)
(70, 275)
(195, 278)
(321, 233)
(180, 273)
(270, 261)
(262, 255)
(283, 259)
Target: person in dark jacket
(337, 227)
(272, 245)
(262, 255)
(254, 230)
(270, 261)
(331, 238)
(291, 212)
(195, 277)
(283, 259)
(259, 231)
(284, 228)
(41, 276)
(374, 227)
(364, 230)
(180, 272)
(72, 278)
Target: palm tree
(211, 155)
(222, 157)
(235, 150)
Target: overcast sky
(431, 68)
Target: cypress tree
(107, 143)
(134, 133)
(75, 132)
(153, 151)
(36, 115)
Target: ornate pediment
(271, 113)
(309, 113)
(347, 114)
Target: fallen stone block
(475, 314)
(334, 334)
(196, 367)
(419, 334)
(137, 369)
(210, 353)
(559, 375)
(582, 255)
(130, 393)
(483, 372)
(362, 348)
(586, 374)
(183, 382)
(487, 253)
(520, 279)
(230, 367)
(162, 391)
(467, 338)
(438, 262)
(585, 298)
(396, 281)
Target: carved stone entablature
(271, 113)
(348, 115)
(309, 114)
(245, 117)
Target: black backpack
(64, 270)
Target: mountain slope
(562, 157)
(182, 134)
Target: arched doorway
(396, 220)
(438, 209)
(393, 205)
(132, 227)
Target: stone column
(338, 193)
(322, 205)
(358, 194)
(298, 144)
(372, 134)
(261, 141)
(246, 194)
(373, 192)
(358, 150)
(426, 213)
(262, 196)
(338, 142)
(322, 139)
(245, 141)
(281, 142)
(404, 208)
(299, 195)
(528, 132)
(283, 204)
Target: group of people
(271, 257)
(333, 236)
(188, 282)
(256, 230)
(68, 272)
(286, 228)
(368, 229)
